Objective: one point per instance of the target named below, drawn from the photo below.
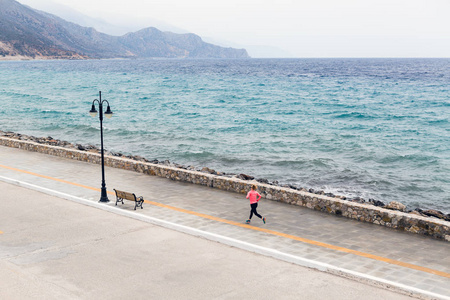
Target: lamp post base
(104, 196)
(104, 199)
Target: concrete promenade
(52, 248)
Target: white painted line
(233, 242)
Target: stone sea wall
(389, 215)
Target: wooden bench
(121, 195)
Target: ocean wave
(56, 112)
(196, 155)
(354, 115)
(80, 129)
(442, 121)
(413, 158)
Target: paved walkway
(295, 234)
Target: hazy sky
(313, 28)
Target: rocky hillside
(28, 33)
(151, 42)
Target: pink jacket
(252, 196)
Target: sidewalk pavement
(53, 248)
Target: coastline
(28, 58)
(394, 205)
(392, 215)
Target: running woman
(254, 197)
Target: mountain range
(30, 33)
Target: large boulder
(435, 213)
(394, 205)
(245, 177)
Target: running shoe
(248, 221)
(264, 220)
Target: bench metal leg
(119, 200)
(139, 203)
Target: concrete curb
(316, 265)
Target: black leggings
(253, 211)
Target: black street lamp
(108, 114)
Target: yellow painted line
(1, 232)
(307, 241)
(268, 231)
(51, 178)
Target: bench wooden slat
(121, 195)
(126, 195)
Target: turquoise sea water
(374, 128)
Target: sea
(370, 128)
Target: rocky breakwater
(393, 215)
